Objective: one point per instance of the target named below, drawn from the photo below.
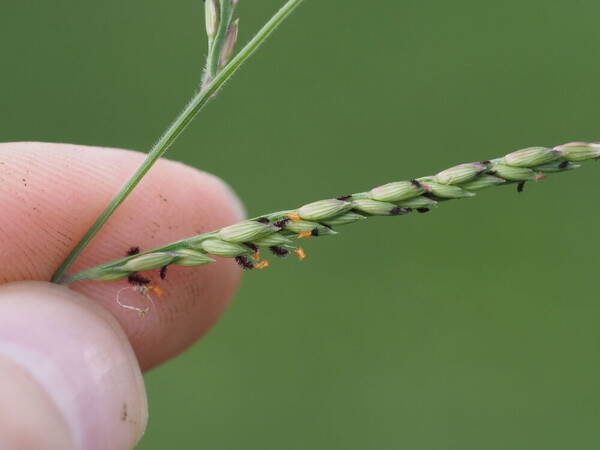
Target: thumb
(69, 377)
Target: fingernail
(28, 417)
(80, 357)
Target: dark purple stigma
(282, 222)
(279, 251)
(397, 211)
(244, 262)
(163, 272)
(137, 280)
(251, 246)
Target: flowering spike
(276, 231)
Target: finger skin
(29, 420)
(71, 372)
(50, 194)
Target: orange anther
(295, 217)
(262, 265)
(256, 256)
(539, 176)
(157, 290)
(300, 253)
(304, 234)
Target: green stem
(173, 132)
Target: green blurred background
(472, 327)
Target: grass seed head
(279, 231)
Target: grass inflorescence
(279, 232)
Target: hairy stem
(175, 129)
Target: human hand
(71, 359)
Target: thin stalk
(181, 122)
